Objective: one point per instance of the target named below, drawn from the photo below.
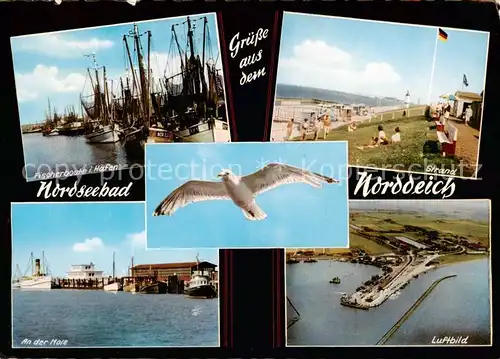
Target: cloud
(316, 64)
(137, 240)
(88, 245)
(60, 46)
(44, 80)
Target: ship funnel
(37, 267)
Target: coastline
(375, 297)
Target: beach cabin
(463, 99)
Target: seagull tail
(254, 213)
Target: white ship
(104, 134)
(38, 279)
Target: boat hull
(37, 283)
(201, 291)
(103, 135)
(113, 287)
(155, 288)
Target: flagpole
(432, 68)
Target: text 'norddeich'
(84, 191)
(378, 186)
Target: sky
(379, 59)
(53, 65)
(298, 215)
(79, 233)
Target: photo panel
(89, 99)
(82, 278)
(417, 273)
(406, 97)
(251, 195)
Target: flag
(443, 36)
(465, 82)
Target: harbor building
(411, 242)
(183, 270)
(84, 271)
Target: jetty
(410, 311)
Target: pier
(410, 311)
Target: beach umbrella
(448, 97)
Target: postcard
(82, 278)
(406, 97)
(418, 271)
(89, 99)
(246, 195)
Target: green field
(451, 259)
(369, 246)
(470, 229)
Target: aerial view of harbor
(87, 281)
(95, 96)
(395, 111)
(416, 273)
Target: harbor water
(458, 306)
(113, 319)
(53, 153)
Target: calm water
(46, 153)
(98, 318)
(457, 307)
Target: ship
(200, 285)
(292, 261)
(38, 278)
(114, 285)
(99, 127)
(186, 105)
(152, 287)
(310, 260)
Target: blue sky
(78, 233)
(298, 215)
(52, 64)
(378, 59)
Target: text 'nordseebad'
(47, 191)
(411, 187)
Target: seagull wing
(276, 174)
(189, 192)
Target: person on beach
(446, 111)
(468, 115)
(382, 138)
(303, 128)
(373, 143)
(352, 127)
(327, 122)
(289, 129)
(396, 137)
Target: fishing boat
(101, 127)
(153, 287)
(114, 286)
(335, 280)
(310, 260)
(200, 285)
(39, 277)
(292, 261)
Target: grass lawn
(457, 258)
(470, 229)
(369, 246)
(407, 155)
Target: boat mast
(105, 105)
(113, 265)
(192, 55)
(97, 88)
(148, 108)
(134, 79)
(142, 75)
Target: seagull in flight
(241, 190)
